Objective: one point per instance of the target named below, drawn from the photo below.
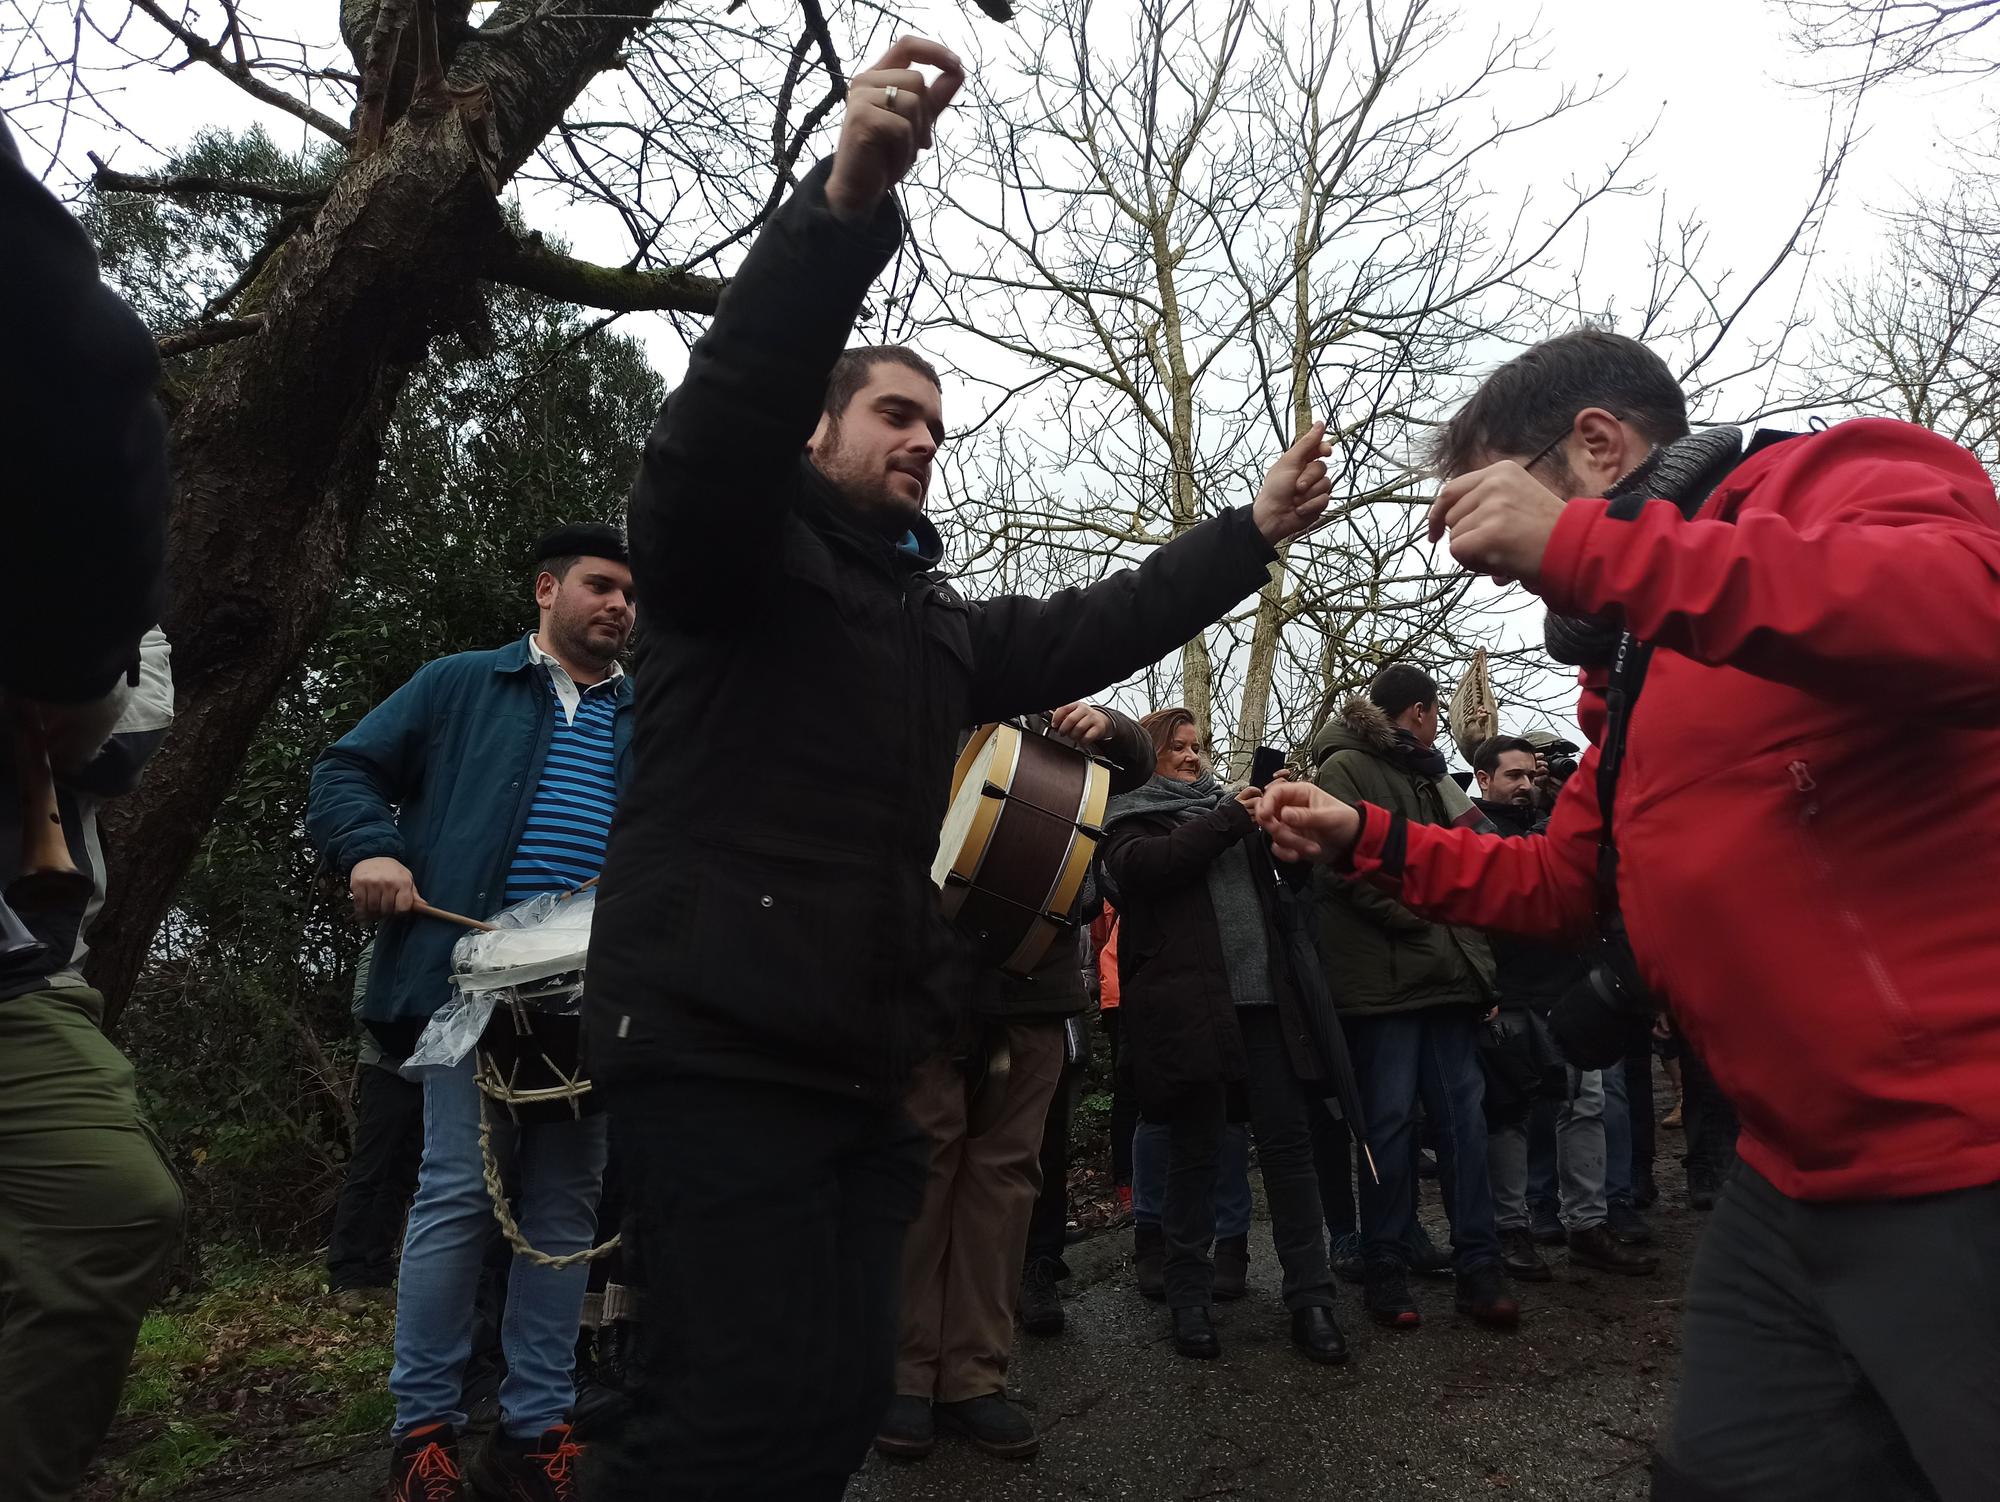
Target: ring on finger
(889, 96)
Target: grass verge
(253, 1371)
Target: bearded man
(487, 779)
(770, 962)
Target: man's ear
(546, 588)
(1601, 450)
(821, 436)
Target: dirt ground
(1566, 1409)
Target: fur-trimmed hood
(1360, 726)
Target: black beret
(583, 540)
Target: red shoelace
(559, 1464)
(435, 1469)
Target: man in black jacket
(1532, 977)
(769, 961)
(962, 1261)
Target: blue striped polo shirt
(569, 821)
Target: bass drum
(1026, 816)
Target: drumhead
(976, 771)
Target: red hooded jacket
(1808, 820)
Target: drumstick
(459, 918)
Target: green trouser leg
(88, 1216)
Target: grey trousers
(1579, 1159)
(1840, 1352)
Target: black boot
(1315, 1332)
(1597, 1247)
(1522, 1259)
(1385, 1294)
(907, 1430)
(995, 1423)
(1194, 1333)
(1041, 1301)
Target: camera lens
(1562, 767)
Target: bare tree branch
(186, 184)
(242, 76)
(530, 264)
(203, 335)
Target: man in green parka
(1411, 995)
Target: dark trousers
(381, 1177)
(1048, 1223)
(1638, 1067)
(1840, 1352)
(1124, 1105)
(771, 1224)
(1433, 1056)
(1280, 1123)
(1333, 1159)
(1709, 1118)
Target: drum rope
(509, 1228)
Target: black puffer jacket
(767, 908)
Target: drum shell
(536, 1052)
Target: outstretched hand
(1306, 823)
(890, 111)
(1296, 489)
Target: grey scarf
(1684, 472)
(1232, 882)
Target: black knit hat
(583, 540)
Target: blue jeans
(1432, 1055)
(1617, 1138)
(561, 1166)
(1232, 1178)
(1542, 1188)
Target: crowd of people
(832, 1143)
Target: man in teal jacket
(487, 779)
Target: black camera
(1601, 1018)
(1561, 768)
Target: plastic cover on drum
(534, 954)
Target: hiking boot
(1704, 1185)
(994, 1423)
(1522, 1259)
(1427, 1258)
(1645, 1193)
(1232, 1267)
(1484, 1296)
(907, 1430)
(1385, 1294)
(1627, 1224)
(1674, 1121)
(1315, 1331)
(424, 1467)
(1346, 1257)
(1545, 1225)
(506, 1469)
(1596, 1247)
(1194, 1333)
(1149, 1261)
(1041, 1301)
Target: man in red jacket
(1820, 608)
